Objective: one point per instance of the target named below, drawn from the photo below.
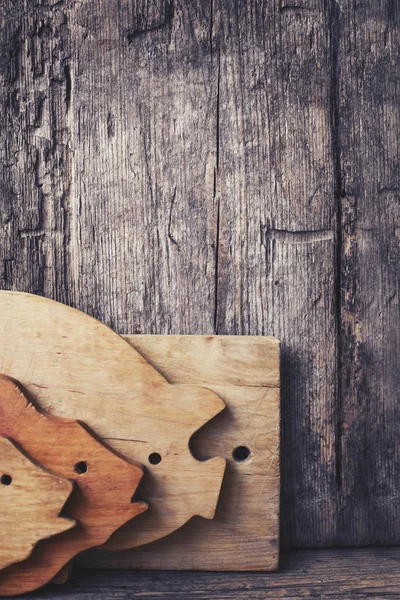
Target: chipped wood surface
(225, 167)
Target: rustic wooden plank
(244, 533)
(368, 95)
(36, 212)
(144, 97)
(108, 147)
(276, 251)
(363, 574)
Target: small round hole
(81, 467)
(6, 479)
(154, 458)
(241, 453)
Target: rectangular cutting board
(244, 535)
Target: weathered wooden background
(232, 167)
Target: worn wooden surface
(175, 166)
(244, 534)
(31, 500)
(368, 105)
(356, 574)
(78, 368)
(104, 486)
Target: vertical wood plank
(36, 209)
(276, 244)
(144, 106)
(368, 138)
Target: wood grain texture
(276, 259)
(75, 367)
(368, 97)
(175, 166)
(244, 534)
(105, 484)
(356, 574)
(248, 361)
(31, 500)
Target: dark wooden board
(368, 97)
(276, 241)
(359, 574)
(215, 166)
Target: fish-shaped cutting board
(104, 486)
(31, 500)
(76, 367)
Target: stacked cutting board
(86, 414)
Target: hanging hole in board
(241, 453)
(6, 480)
(81, 467)
(155, 458)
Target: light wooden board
(31, 499)
(105, 484)
(244, 535)
(76, 367)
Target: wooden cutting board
(244, 535)
(31, 499)
(76, 367)
(104, 486)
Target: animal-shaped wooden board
(105, 485)
(76, 367)
(244, 534)
(31, 499)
